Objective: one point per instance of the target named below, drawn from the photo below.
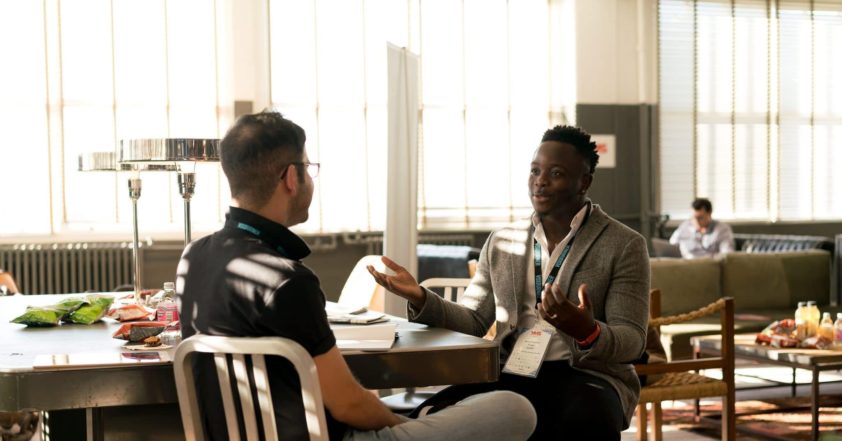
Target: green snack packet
(67, 306)
(39, 316)
(92, 312)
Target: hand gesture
(574, 320)
(402, 283)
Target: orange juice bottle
(826, 327)
(813, 316)
(801, 321)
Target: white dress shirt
(717, 239)
(528, 314)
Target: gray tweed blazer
(610, 257)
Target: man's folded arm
(346, 399)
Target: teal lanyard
(257, 233)
(536, 255)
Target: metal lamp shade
(107, 161)
(172, 150)
(169, 150)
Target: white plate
(140, 346)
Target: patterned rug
(779, 418)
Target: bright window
(485, 81)
(751, 110)
(84, 74)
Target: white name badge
(529, 350)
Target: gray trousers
(498, 415)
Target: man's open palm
(402, 283)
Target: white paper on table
(376, 337)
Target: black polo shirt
(247, 280)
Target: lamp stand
(134, 193)
(186, 186)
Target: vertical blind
(751, 115)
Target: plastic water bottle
(168, 312)
(837, 330)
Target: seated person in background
(572, 282)
(701, 236)
(247, 279)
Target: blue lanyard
(255, 232)
(536, 255)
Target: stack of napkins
(356, 316)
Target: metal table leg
(814, 392)
(93, 424)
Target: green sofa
(765, 287)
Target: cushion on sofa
(808, 276)
(676, 338)
(685, 284)
(755, 280)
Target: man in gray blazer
(569, 292)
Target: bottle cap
(811, 303)
(800, 304)
(169, 285)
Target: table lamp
(172, 151)
(106, 161)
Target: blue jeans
(498, 415)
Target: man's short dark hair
(702, 204)
(255, 151)
(576, 137)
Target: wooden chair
(679, 380)
(7, 283)
(238, 349)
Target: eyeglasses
(312, 168)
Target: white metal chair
(453, 288)
(238, 349)
(409, 400)
(360, 289)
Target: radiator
(69, 267)
(376, 246)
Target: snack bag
(39, 316)
(92, 312)
(816, 342)
(68, 305)
(129, 313)
(137, 331)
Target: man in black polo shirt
(248, 280)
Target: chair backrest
(663, 248)
(453, 288)
(360, 289)
(725, 307)
(7, 283)
(238, 348)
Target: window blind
(748, 116)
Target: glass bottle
(826, 327)
(813, 316)
(801, 321)
(837, 330)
